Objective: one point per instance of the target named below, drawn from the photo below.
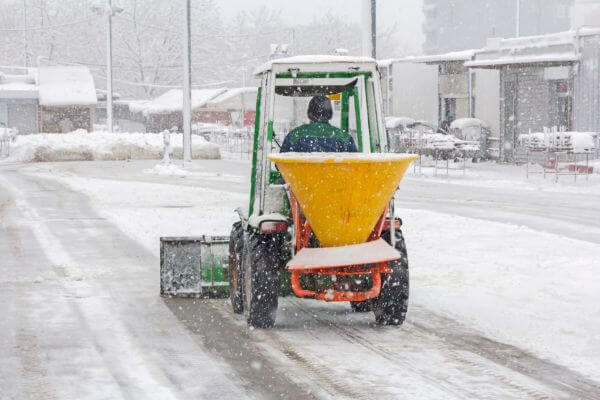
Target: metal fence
(233, 141)
(442, 163)
(4, 147)
(559, 163)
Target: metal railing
(559, 163)
(4, 147)
(235, 141)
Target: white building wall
(487, 97)
(415, 91)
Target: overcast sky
(406, 13)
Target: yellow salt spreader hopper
(320, 225)
(345, 199)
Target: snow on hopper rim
(293, 157)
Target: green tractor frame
(264, 241)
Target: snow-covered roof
(172, 101)
(551, 58)
(554, 48)
(18, 87)
(386, 62)
(66, 86)
(463, 55)
(326, 62)
(231, 94)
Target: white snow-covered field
(536, 290)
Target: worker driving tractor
(318, 135)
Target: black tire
(261, 279)
(236, 281)
(392, 304)
(361, 306)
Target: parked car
(477, 137)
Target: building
(67, 99)
(452, 25)
(54, 99)
(517, 85)
(234, 107)
(546, 81)
(19, 102)
(440, 89)
(214, 106)
(166, 111)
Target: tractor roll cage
(363, 87)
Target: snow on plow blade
(194, 266)
(342, 195)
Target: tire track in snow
(323, 374)
(521, 361)
(398, 358)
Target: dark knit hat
(319, 109)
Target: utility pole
(369, 28)
(374, 29)
(187, 86)
(518, 17)
(109, 82)
(109, 11)
(26, 55)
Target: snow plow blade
(194, 266)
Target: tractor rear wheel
(391, 305)
(236, 282)
(261, 279)
(361, 306)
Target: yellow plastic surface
(342, 196)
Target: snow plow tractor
(320, 225)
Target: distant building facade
(452, 25)
(52, 99)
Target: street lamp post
(187, 86)
(109, 89)
(109, 11)
(518, 19)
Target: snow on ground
(147, 211)
(82, 145)
(511, 177)
(534, 290)
(166, 169)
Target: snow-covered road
(82, 317)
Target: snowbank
(84, 146)
(166, 169)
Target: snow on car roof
(66, 86)
(394, 122)
(314, 59)
(461, 123)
